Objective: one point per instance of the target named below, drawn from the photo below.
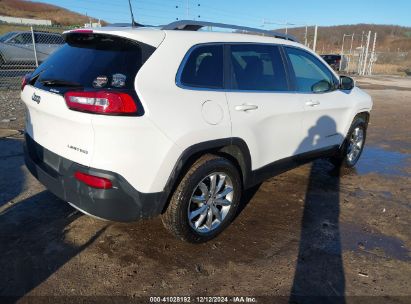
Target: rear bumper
(122, 203)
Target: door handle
(246, 107)
(312, 103)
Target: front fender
(364, 103)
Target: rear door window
(204, 68)
(257, 67)
(93, 61)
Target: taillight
(101, 102)
(93, 181)
(25, 80)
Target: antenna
(133, 22)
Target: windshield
(6, 36)
(93, 61)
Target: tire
(351, 150)
(209, 215)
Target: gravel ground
(11, 110)
(312, 231)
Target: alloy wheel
(210, 202)
(355, 145)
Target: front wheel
(205, 201)
(353, 145)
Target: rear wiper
(60, 83)
(33, 77)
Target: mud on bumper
(122, 203)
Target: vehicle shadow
(246, 198)
(319, 274)
(11, 162)
(33, 230)
(33, 245)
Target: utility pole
(265, 22)
(315, 38)
(342, 52)
(305, 36)
(342, 49)
(366, 53)
(188, 9)
(373, 56)
(351, 55)
(361, 55)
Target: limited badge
(118, 81)
(100, 81)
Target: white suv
(130, 123)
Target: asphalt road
(313, 231)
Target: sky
(256, 13)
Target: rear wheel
(205, 201)
(353, 145)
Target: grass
(390, 69)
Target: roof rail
(126, 25)
(192, 25)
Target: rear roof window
(94, 61)
(204, 68)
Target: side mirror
(321, 87)
(346, 83)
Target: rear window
(93, 61)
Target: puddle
(380, 161)
(356, 239)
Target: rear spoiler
(76, 31)
(150, 37)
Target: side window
(50, 39)
(41, 38)
(311, 75)
(257, 67)
(55, 39)
(24, 38)
(204, 68)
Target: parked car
(334, 61)
(130, 123)
(16, 48)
